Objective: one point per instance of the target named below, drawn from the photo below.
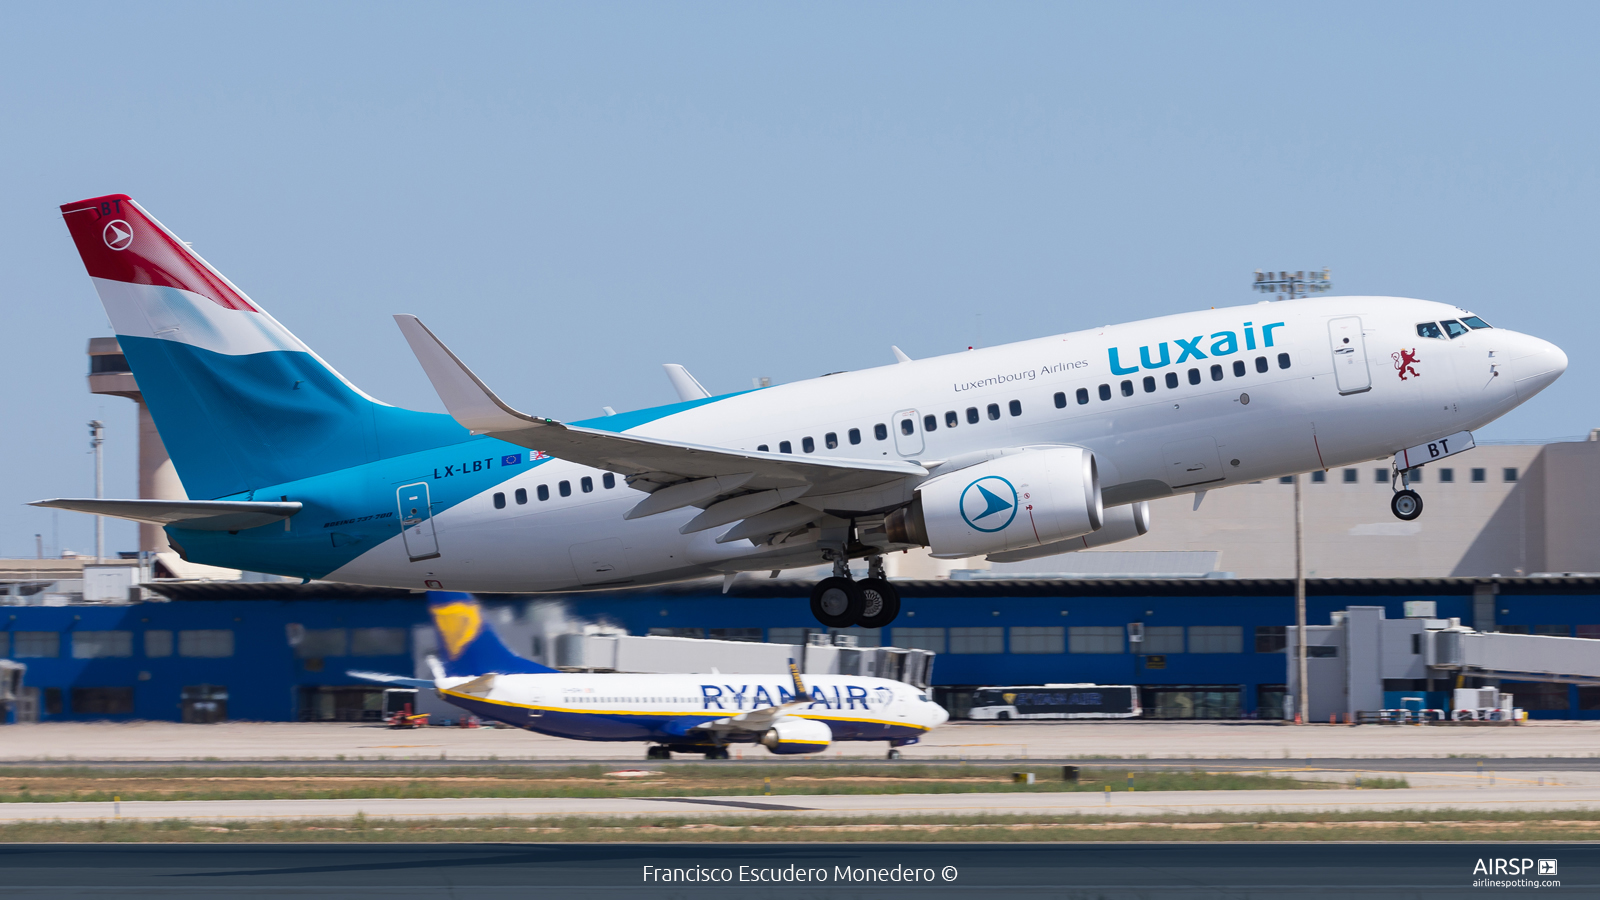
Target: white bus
(1056, 701)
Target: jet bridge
(1516, 657)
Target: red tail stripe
(153, 256)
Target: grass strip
(1403, 825)
(705, 779)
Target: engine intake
(792, 734)
(1015, 502)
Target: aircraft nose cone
(1538, 364)
(940, 715)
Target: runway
(1121, 803)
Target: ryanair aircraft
(675, 713)
(1010, 452)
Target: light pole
(1293, 285)
(97, 437)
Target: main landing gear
(840, 602)
(1405, 504)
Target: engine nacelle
(1023, 500)
(792, 734)
(1121, 523)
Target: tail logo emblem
(458, 624)
(118, 234)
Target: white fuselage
(1233, 427)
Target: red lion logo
(1404, 360)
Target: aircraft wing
(756, 719)
(201, 515)
(693, 474)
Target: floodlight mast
(1293, 285)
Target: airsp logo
(118, 235)
(989, 504)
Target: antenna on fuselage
(1295, 284)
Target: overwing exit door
(416, 522)
(907, 433)
(1349, 355)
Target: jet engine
(1018, 501)
(1122, 523)
(792, 734)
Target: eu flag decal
(514, 459)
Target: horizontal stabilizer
(386, 678)
(199, 515)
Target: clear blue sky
(571, 195)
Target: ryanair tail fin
(468, 645)
(239, 401)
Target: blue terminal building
(1210, 648)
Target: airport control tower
(158, 480)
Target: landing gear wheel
(881, 603)
(1406, 505)
(658, 753)
(893, 754)
(717, 753)
(837, 602)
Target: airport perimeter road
(964, 740)
(1467, 800)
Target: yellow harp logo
(458, 624)
(1010, 698)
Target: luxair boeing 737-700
(674, 713)
(1010, 452)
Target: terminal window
(1588, 697)
(1184, 701)
(1272, 638)
(1038, 639)
(157, 643)
(5, 644)
(320, 642)
(1553, 630)
(377, 642)
(1163, 640)
(212, 643)
(1479, 476)
(103, 701)
(788, 635)
(982, 639)
(1381, 476)
(919, 638)
(1447, 476)
(100, 645)
(749, 635)
(37, 644)
(1588, 631)
(679, 632)
(1509, 474)
(1216, 639)
(1539, 695)
(1351, 476)
(1095, 639)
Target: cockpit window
(1456, 329)
(1475, 322)
(923, 697)
(1429, 330)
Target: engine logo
(984, 500)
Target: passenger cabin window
(1083, 396)
(880, 432)
(762, 448)
(1261, 364)
(1061, 400)
(994, 411)
(1238, 368)
(1149, 384)
(1429, 330)
(972, 415)
(831, 440)
(1194, 376)
(1216, 373)
(930, 422)
(608, 481)
(522, 496)
(1283, 360)
(565, 488)
(951, 418)
(1105, 392)
(1475, 322)
(544, 492)
(908, 426)
(1453, 328)
(1172, 380)
(587, 484)
(499, 501)
(785, 447)
(855, 435)
(1016, 407)
(808, 445)
(1127, 388)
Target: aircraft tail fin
(239, 401)
(468, 644)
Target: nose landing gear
(1406, 504)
